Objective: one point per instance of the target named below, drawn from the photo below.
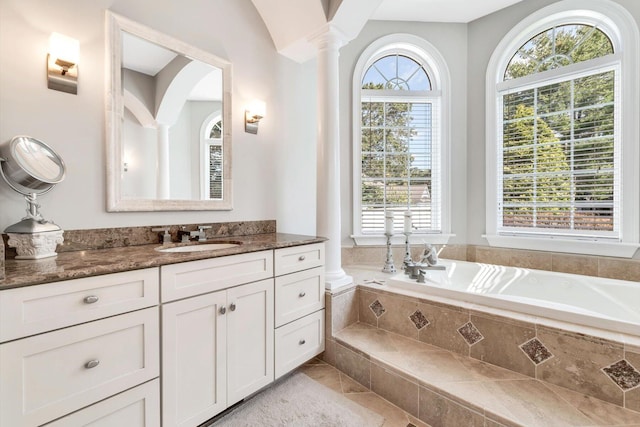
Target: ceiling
(438, 10)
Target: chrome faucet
(184, 236)
(201, 235)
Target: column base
(336, 279)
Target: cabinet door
(249, 339)
(138, 407)
(193, 359)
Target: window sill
(571, 246)
(398, 239)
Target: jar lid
(31, 225)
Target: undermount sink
(199, 248)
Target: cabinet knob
(302, 341)
(302, 258)
(91, 299)
(232, 307)
(92, 364)
(223, 309)
(302, 294)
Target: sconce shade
(253, 114)
(62, 63)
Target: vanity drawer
(199, 277)
(299, 294)
(296, 258)
(138, 407)
(41, 308)
(298, 342)
(50, 375)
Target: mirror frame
(115, 110)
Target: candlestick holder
(407, 249)
(388, 263)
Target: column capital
(328, 37)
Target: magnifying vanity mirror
(32, 168)
(168, 123)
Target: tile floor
(336, 380)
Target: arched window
(558, 128)
(399, 133)
(212, 158)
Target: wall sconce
(252, 115)
(62, 63)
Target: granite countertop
(77, 264)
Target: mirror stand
(32, 168)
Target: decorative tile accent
(377, 308)
(536, 351)
(470, 333)
(623, 374)
(418, 319)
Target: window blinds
(400, 163)
(559, 158)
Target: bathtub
(590, 301)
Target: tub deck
(443, 388)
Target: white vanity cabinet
(299, 305)
(167, 346)
(218, 346)
(88, 339)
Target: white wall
(74, 125)
(451, 42)
(484, 35)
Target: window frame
(437, 70)
(622, 30)
(206, 142)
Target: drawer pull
(302, 258)
(223, 309)
(302, 342)
(302, 294)
(92, 364)
(91, 299)
(232, 307)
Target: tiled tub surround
(444, 359)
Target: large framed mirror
(168, 122)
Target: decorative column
(162, 167)
(328, 186)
